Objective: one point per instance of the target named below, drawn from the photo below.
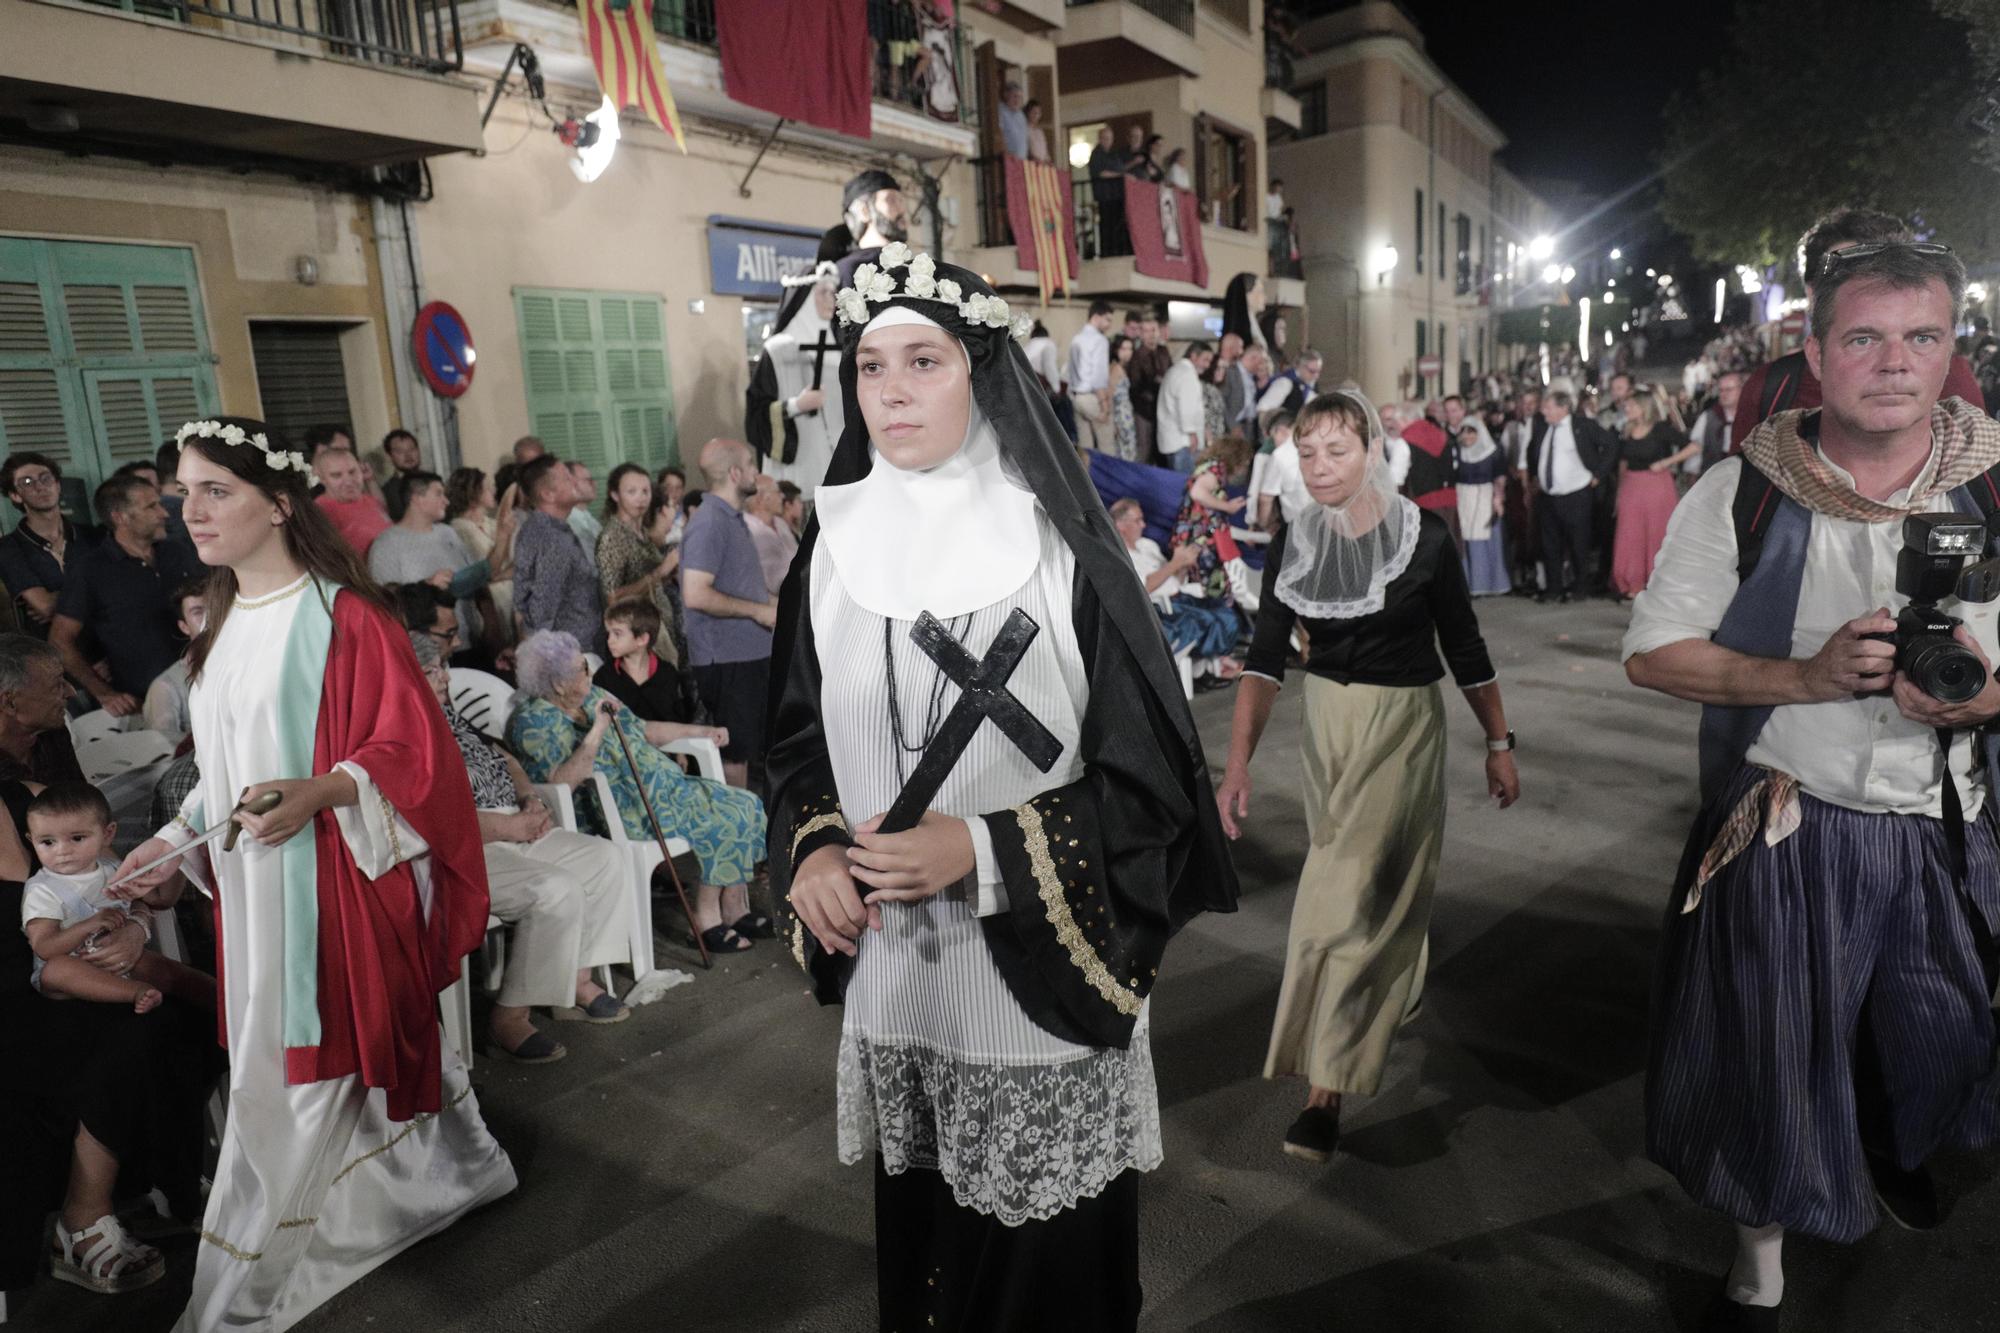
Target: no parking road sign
(443, 347)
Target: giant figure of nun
(352, 1130)
(793, 415)
(995, 956)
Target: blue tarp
(1159, 491)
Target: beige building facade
(1412, 235)
(261, 212)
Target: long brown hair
(611, 483)
(310, 537)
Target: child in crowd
(65, 904)
(637, 678)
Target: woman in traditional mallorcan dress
(1378, 584)
(996, 956)
(343, 912)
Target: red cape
(381, 964)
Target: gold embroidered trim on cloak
(416, 1124)
(286, 594)
(812, 826)
(247, 1256)
(298, 1222)
(1068, 934)
(389, 818)
(798, 940)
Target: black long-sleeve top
(1656, 445)
(1427, 604)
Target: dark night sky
(1577, 85)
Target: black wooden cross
(983, 694)
(818, 348)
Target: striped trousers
(1828, 992)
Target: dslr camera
(1930, 568)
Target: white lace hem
(1018, 1143)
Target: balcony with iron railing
(1106, 43)
(343, 83)
(916, 105)
(413, 34)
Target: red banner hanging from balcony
(805, 62)
(1044, 223)
(626, 56)
(1166, 232)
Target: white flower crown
(279, 459)
(874, 283)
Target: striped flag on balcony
(626, 55)
(1044, 223)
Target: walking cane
(625, 747)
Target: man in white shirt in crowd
(1200, 630)
(1829, 969)
(1090, 380)
(1182, 432)
(1283, 494)
(1568, 457)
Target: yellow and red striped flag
(1042, 216)
(626, 55)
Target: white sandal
(117, 1263)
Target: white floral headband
(279, 459)
(873, 283)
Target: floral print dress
(724, 825)
(1199, 524)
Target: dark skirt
(942, 1267)
(1829, 993)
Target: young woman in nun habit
(995, 958)
(1379, 585)
(341, 914)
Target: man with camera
(1822, 1017)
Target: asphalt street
(677, 1171)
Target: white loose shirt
(1147, 559)
(1283, 479)
(1861, 753)
(1181, 412)
(1089, 361)
(1560, 469)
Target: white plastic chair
(642, 856)
(98, 723)
(707, 755)
(484, 700)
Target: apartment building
(1412, 235)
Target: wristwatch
(1501, 747)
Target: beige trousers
(1093, 422)
(564, 895)
(1374, 798)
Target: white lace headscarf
(1339, 558)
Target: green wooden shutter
(103, 351)
(595, 368)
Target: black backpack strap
(1756, 504)
(1781, 384)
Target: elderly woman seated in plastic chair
(560, 730)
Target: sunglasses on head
(1854, 254)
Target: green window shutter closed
(103, 351)
(595, 368)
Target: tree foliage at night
(1820, 103)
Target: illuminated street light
(1553, 273)
(1583, 322)
(1079, 154)
(1384, 259)
(1721, 291)
(1617, 254)
(1568, 274)
(590, 159)
(1541, 247)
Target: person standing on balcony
(1014, 121)
(1038, 137)
(1107, 190)
(1143, 161)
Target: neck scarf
(1966, 441)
